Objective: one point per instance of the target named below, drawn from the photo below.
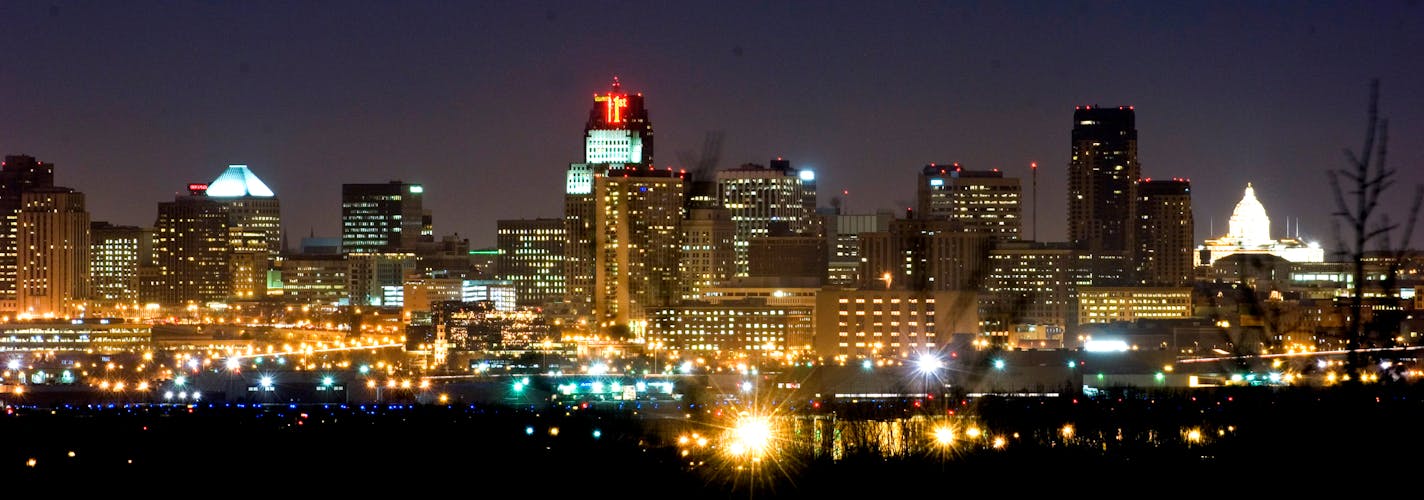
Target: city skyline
(130, 125)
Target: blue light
(1072, 364)
(179, 380)
(998, 364)
(364, 369)
(529, 430)
(597, 434)
(866, 364)
(327, 381)
(936, 182)
(808, 175)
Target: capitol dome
(1249, 225)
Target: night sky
(485, 102)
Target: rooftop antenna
(1034, 166)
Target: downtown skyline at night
(712, 250)
(863, 96)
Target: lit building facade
(843, 235)
(923, 254)
(638, 228)
(531, 255)
(191, 249)
(708, 258)
(254, 212)
(1102, 179)
(1030, 289)
(761, 197)
(369, 273)
(899, 324)
(314, 279)
(1165, 232)
(1128, 304)
(53, 243)
(382, 217)
(114, 259)
(18, 173)
(618, 133)
(1249, 232)
(981, 200)
(749, 328)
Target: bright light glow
(233, 363)
(972, 433)
(998, 364)
(943, 435)
(1194, 436)
(685, 368)
(746, 387)
(808, 175)
(180, 380)
(999, 442)
(265, 382)
(751, 437)
(529, 430)
(928, 363)
(327, 381)
(14, 364)
(866, 364)
(1067, 431)
(237, 181)
(1105, 346)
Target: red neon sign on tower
(615, 106)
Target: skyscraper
(637, 231)
(618, 133)
(982, 200)
(531, 255)
(1102, 180)
(1164, 232)
(707, 255)
(18, 173)
(191, 249)
(382, 217)
(762, 196)
(253, 210)
(254, 229)
(114, 259)
(53, 243)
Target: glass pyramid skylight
(236, 181)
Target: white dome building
(1249, 231)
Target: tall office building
(1164, 232)
(383, 217)
(254, 212)
(707, 256)
(18, 173)
(53, 244)
(637, 232)
(1102, 179)
(618, 133)
(531, 255)
(760, 197)
(981, 200)
(254, 229)
(115, 254)
(191, 249)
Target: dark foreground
(1247, 440)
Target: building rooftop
(238, 181)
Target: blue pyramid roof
(237, 181)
